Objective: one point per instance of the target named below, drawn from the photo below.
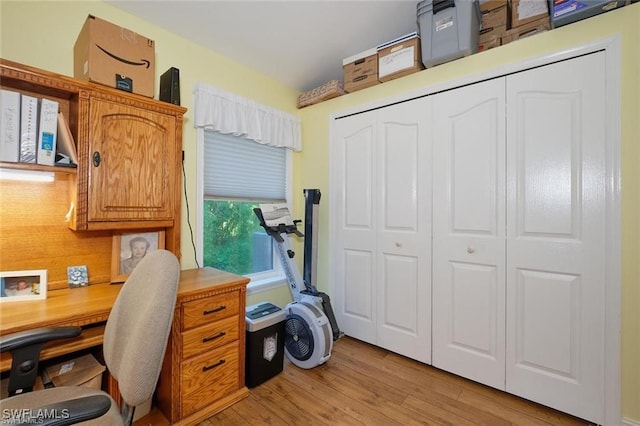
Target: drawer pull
(213, 311)
(217, 364)
(217, 336)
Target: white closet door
(556, 235)
(354, 162)
(404, 229)
(381, 161)
(468, 229)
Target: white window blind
(239, 168)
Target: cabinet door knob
(96, 159)
(398, 244)
(470, 250)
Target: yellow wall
(42, 34)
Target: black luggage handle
(440, 5)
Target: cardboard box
(489, 44)
(494, 18)
(361, 70)
(527, 30)
(526, 11)
(81, 371)
(491, 37)
(491, 33)
(325, 92)
(491, 4)
(114, 56)
(399, 57)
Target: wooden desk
(89, 308)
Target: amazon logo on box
(114, 56)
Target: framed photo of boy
(17, 286)
(129, 249)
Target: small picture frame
(77, 276)
(129, 249)
(18, 286)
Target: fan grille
(298, 338)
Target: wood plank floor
(364, 385)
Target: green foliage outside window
(232, 237)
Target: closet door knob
(398, 244)
(470, 250)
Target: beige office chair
(135, 340)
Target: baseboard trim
(629, 422)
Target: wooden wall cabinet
(129, 152)
(132, 161)
(203, 371)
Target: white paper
(396, 61)
(275, 214)
(530, 8)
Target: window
(243, 159)
(238, 174)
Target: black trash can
(265, 343)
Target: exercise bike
(310, 325)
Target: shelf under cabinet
(37, 167)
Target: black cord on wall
(186, 199)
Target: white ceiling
(300, 43)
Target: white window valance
(227, 113)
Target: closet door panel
(472, 302)
(399, 275)
(404, 246)
(468, 229)
(354, 298)
(358, 155)
(548, 325)
(556, 234)
(473, 170)
(357, 297)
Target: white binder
(48, 132)
(28, 129)
(9, 125)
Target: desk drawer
(209, 336)
(209, 377)
(210, 309)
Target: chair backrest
(138, 327)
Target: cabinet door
(131, 179)
(355, 279)
(556, 235)
(403, 259)
(468, 229)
